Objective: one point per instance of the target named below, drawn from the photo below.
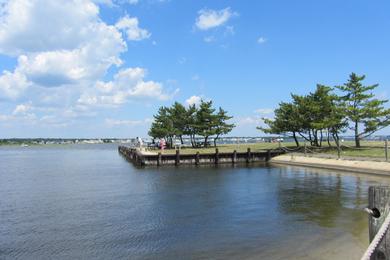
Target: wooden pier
(141, 159)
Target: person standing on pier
(162, 144)
(139, 143)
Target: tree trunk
(193, 140)
(336, 139)
(205, 141)
(357, 137)
(171, 142)
(328, 138)
(181, 139)
(215, 140)
(295, 139)
(321, 138)
(315, 135)
(311, 140)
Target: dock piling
(159, 159)
(379, 204)
(268, 155)
(248, 155)
(177, 159)
(216, 160)
(197, 158)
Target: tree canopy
(365, 113)
(309, 117)
(192, 121)
(324, 114)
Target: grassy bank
(369, 149)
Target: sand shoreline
(363, 166)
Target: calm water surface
(87, 202)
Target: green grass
(369, 149)
(226, 148)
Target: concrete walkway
(360, 166)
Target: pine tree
(178, 115)
(162, 127)
(365, 113)
(205, 120)
(286, 121)
(221, 125)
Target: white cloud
(132, 2)
(41, 25)
(53, 121)
(12, 84)
(63, 50)
(209, 18)
(193, 100)
(74, 46)
(229, 30)
(264, 111)
(209, 39)
(130, 26)
(22, 109)
(104, 2)
(116, 122)
(4, 118)
(127, 84)
(149, 89)
(261, 40)
(22, 117)
(249, 120)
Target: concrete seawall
(370, 167)
(157, 159)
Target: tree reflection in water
(324, 198)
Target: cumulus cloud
(209, 18)
(12, 84)
(41, 25)
(74, 46)
(127, 83)
(63, 50)
(22, 109)
(193, 100)
(130, 26)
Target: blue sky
(83, 68)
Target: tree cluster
(322, 115)
(193, 121)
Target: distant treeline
(321, 116)
(178, 121)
